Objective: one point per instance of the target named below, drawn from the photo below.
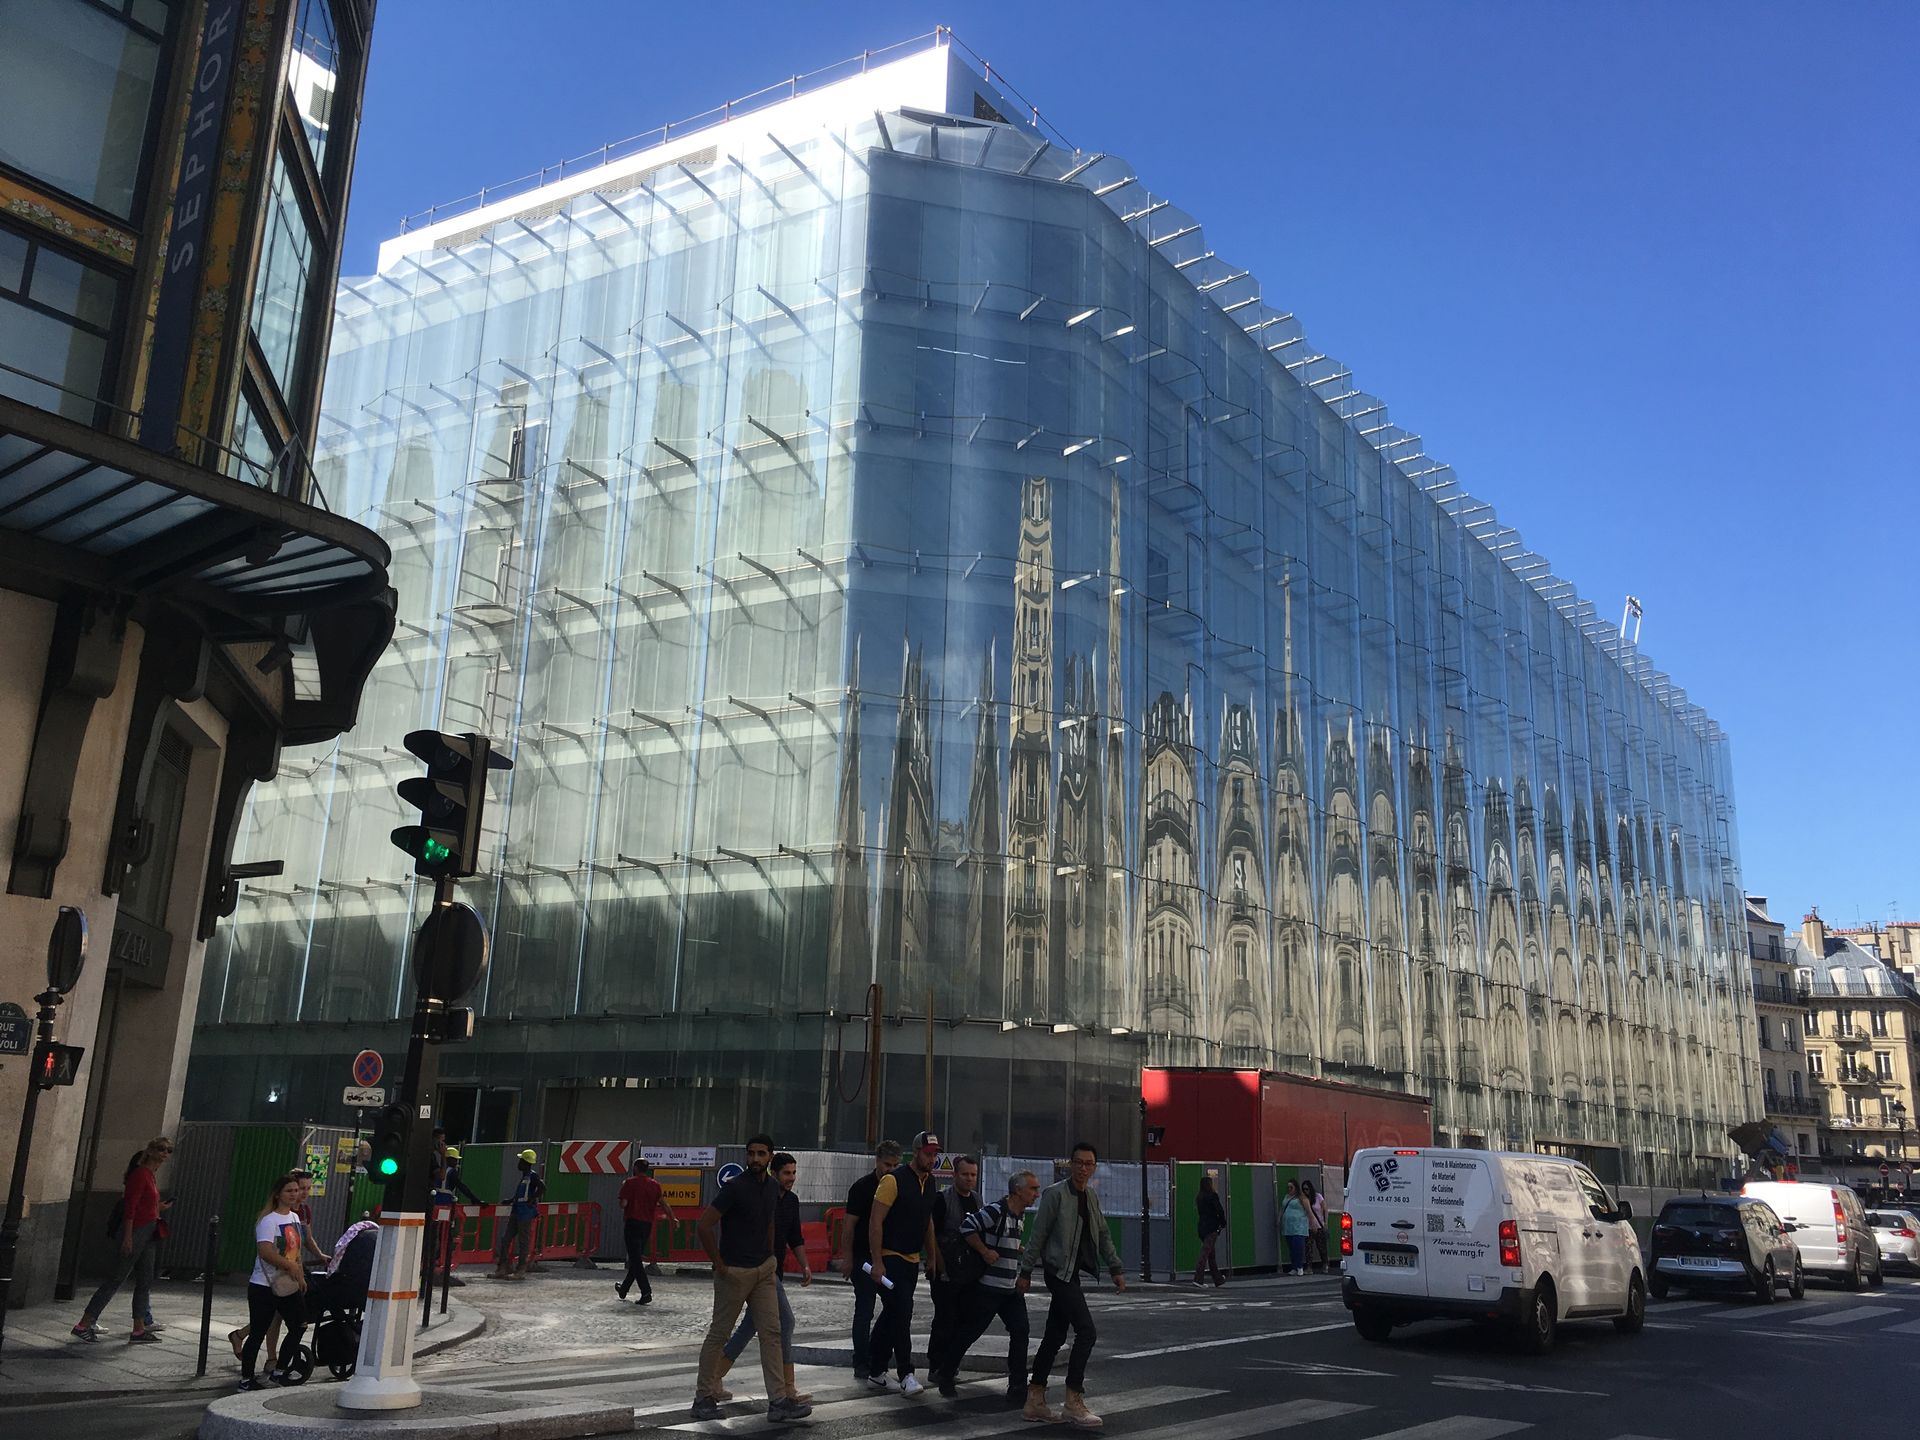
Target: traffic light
(451, 798)
(390, 1135)
(57, 1065)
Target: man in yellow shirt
(899, 1234)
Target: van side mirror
(1624, 1212)
(1788, 1226)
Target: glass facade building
(897, 551)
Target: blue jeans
(1297, 1252)
(864, 1291)
(140, 1266)
(738, 1341)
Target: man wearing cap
(899, 1235)
(523, 1215)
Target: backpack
(963, 1263)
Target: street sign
(16, 1029)
(449, 953)
(679, 1187)
(1885, 1169)
(595, 1157)
(370, 1097)
(66, 949)
(729, 1172)
(699, 1156)
(368, 1067)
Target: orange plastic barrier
(564, 1231)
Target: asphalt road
(1259, 1359)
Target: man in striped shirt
(993, 1232)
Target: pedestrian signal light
(57, 1065)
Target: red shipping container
(1270, 1117)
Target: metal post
(383, 1374)
(1146, 1204)
(432, 1239)
(17, 1191)
(446, 1256)
(206, 1290)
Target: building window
(1856, 1108)
(1843, 1022)
(79, 80)
(1879, 1022)
(1771, 1088)
(313, 73)
(1793, 1083)
(1883, 1064)
(57, 317)
(1813, 1022)
(1805, 1142)
(282, 295)
(252, 454)
(1816, 1064)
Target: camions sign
(192, 213)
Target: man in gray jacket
(1069, 1239)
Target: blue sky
(1643, 273)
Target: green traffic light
(433, 852)
(389, 1166)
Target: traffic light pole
(17, 1190)
(383, 1374)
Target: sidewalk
(42, 1363)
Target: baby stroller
(336, 1307)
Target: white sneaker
(911, 1386)
(883, 1382)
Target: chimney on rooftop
(1813, 932)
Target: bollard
(206, 1290)
(446, 1257)
(431, 1232)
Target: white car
(1829, 1224)
(1898, 1232)
(1530, 1240)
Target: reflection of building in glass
(897, 549)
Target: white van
(1486, 1235)
(1829, 1224)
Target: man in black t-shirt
(854, 1252)
(950, 1207)
(737, 1232)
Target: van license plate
(1403, 1262)
(1692, 1263)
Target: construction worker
(522, 1217)
(447, 1188)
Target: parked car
(1529, 1240)
(1829, 1224)
(1702, 1241)
(1898, 1235)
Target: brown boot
(1078, 1415)
(1037, 1409)
(720, 1392)
(793, 1390)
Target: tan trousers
(755, 1290)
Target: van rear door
(1387, 1198)
(1460, 1234)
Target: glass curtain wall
(902, 553)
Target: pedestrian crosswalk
(1822, 1315)
(1148, 1412)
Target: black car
(1724, 1241)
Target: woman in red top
(139, 1233)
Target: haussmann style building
(179, 607)
(897, 550)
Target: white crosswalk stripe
(876, 1405)
(1456, 1427)
(1237, 1425)
(1911, 1327)
(1852, 1315)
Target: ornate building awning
(85, 511)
